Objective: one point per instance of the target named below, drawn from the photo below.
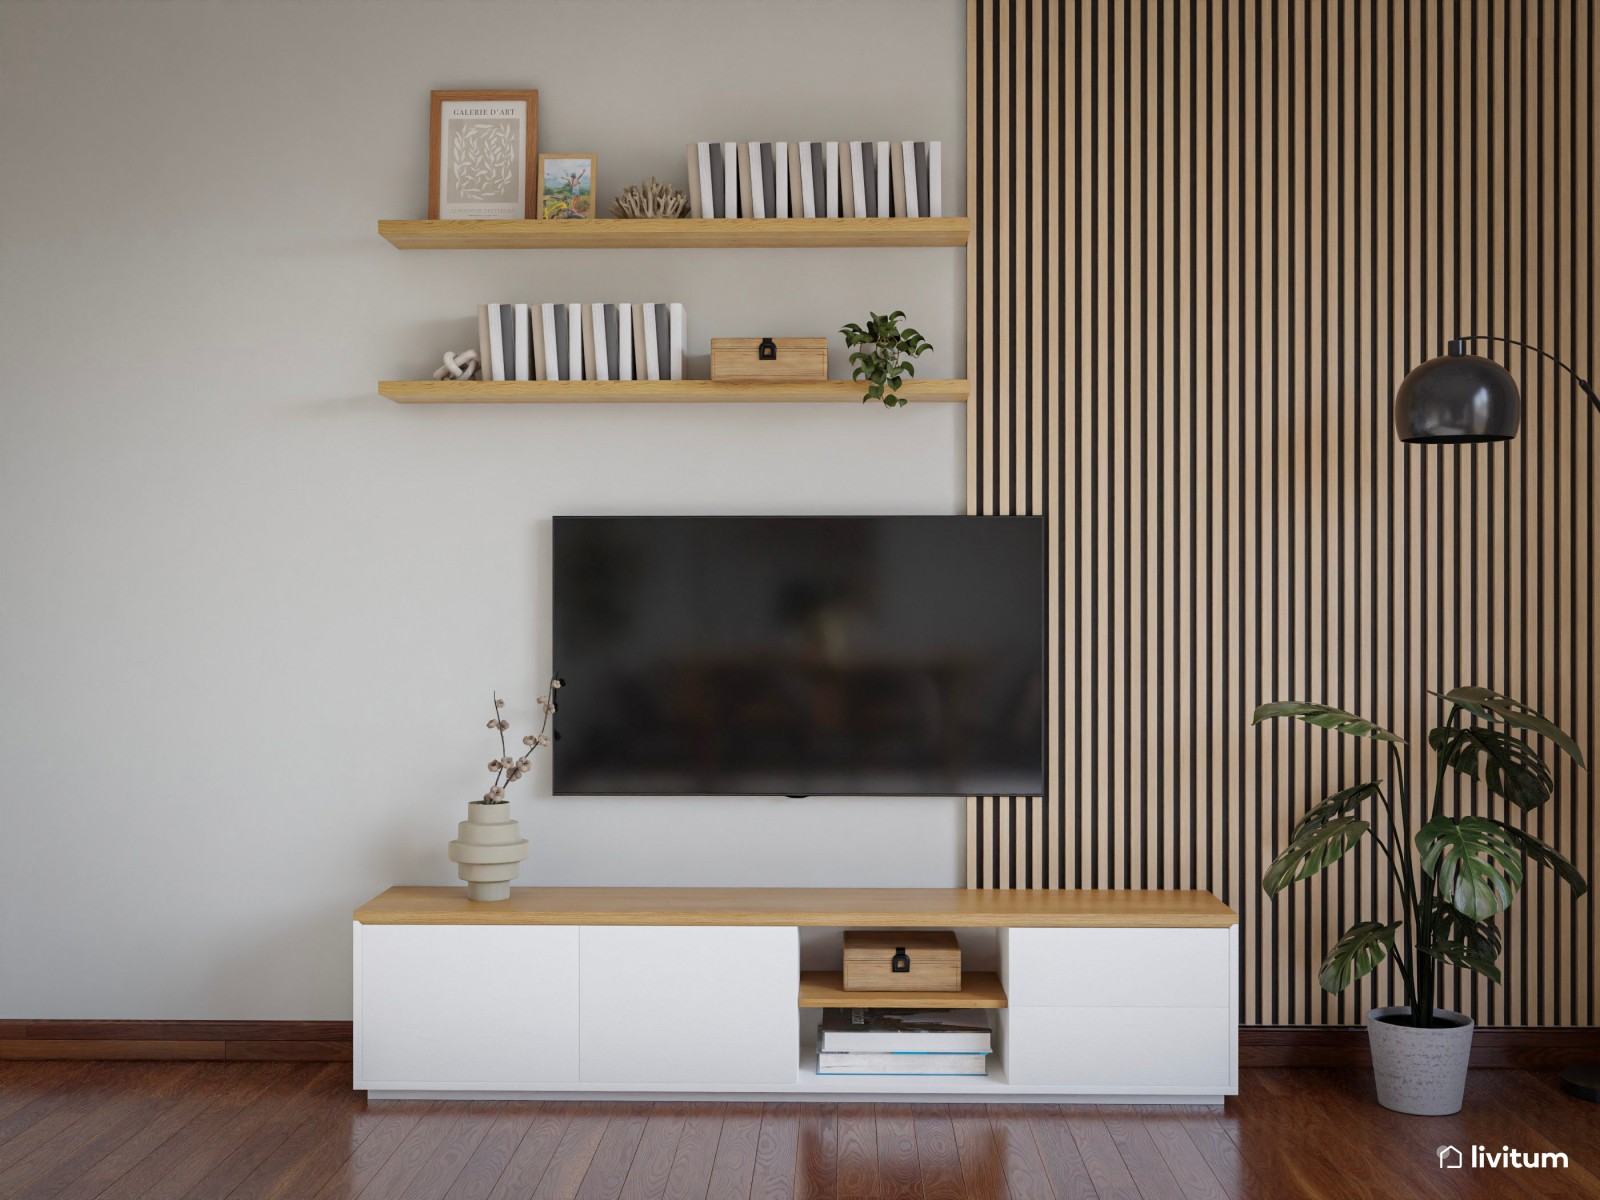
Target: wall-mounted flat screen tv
(753, 656)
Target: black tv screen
(760, 656)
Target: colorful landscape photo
(566, 187)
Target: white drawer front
(1091, 968)
(468, 1004)
(1093, 1049)
(689, 1006)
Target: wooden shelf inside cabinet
(825, 989)
(642, 391)
(682, 233)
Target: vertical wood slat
(1209, 241)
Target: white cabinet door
(1119, 1049)
(685, 1007)
(1115, 968)
(466, 1004)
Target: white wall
(250, 613)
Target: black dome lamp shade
(1460, 398)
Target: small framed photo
(484, 149)
(567, 186)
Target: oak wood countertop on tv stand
(828, 907)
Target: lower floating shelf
(825, 989)
(651, 391)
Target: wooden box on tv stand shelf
(928, 960)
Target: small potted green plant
(1465, 871)
(881, 354)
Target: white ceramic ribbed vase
(487, 849)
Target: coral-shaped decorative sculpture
(650, 199)
(458, 365)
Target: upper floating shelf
(683, 233)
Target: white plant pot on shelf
(487, 849)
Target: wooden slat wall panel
(1209, 239)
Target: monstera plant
(1454, 874)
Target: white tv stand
(684, 993)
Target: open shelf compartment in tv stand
(692, 992)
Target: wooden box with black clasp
(774, 360)
(911, 960)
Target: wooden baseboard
(329, 1041)
(237, 1041)
(1346, 1046)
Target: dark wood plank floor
(230, 1131)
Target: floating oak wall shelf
(680, 233)
(641, 391)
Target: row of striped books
(555, 342)
(814, 179)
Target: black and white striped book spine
(575, 366)
(730, 179)
(830, 179)
(693, 160)
(779, 153)
(485, 350)
(563, 341)
(552, 343)
(908, 171)
(496, 366)
(757, 185)
(612, 337)
(621, 322)
(708, 192)
(652, 347)
(857, 166)
(677, 338)
(814, 159)
(541, 369)
(523, 356)
(808, 172)
(880, 175)
(719, 178)
(596, 338)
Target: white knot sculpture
(463, 365)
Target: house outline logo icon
(1449, 1158)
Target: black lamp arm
(1458, 345)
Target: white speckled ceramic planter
(487, 849)
(1420, 1071)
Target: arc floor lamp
(1461, 399)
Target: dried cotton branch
(507, 769)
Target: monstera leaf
(1363, 947)
(1507, 766)
(1474, 860)
(1547, 856)
(1503, 710)
(1327, 718)
(1336, 805)
(1311, 850)
(1464, 943)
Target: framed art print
(484, 152)
(567, 186)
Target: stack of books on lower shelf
(869, 1041)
